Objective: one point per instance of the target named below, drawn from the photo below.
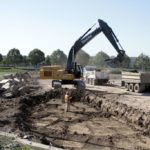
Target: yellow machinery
(55, 72)
(73, 73)
(58, 75)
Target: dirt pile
(15, 112)
(16, 85)
(27, 104)
(8, 110)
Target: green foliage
(25, 60)
(58, 58)
(1, 57)
(47, 60)
(91, 61)
(22, 148)
(115, 71)
(13, 57)
(4, 61)
(142, 62)
(27, 147)
(36, 56)
(8, 70)
(82, 58)
(99, 59)
(125, 63)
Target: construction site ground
(135, 100)
(102, 118)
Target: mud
(96, 120)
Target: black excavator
(73, 72)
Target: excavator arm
(87, 37)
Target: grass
(11, 70)
(22, 148)
(4, 140)
(4, 71)
(27, 148)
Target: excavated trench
(96, 120)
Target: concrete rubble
(17, 85)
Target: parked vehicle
(136, 81)
(95, 77)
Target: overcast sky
(57, 24)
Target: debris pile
(16, 85)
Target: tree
(4, 62)
(92, 61)
(142, 62)
(14, 57)
(1, 58)
(36, 56)
(47, 60)
(126, 62)
(25, 60)
(100, 59)
(58, 58)
(82, 57)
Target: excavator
(73, 73)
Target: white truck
(136, 81)
(95, 77)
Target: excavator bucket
(115, 62)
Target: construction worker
(67, 100)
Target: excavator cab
(77, 70)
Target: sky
(56, 24)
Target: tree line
(36, 57)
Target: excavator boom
(87, 37)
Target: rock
(6, 86)
(16, 79)
(14, 88)
(24, 89)
(5, 81)
(7, 95)
(27, 136)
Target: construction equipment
(136, 81)
(73, 72)
(95, 76)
